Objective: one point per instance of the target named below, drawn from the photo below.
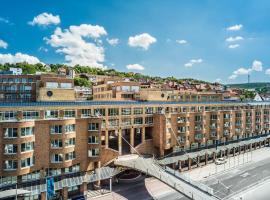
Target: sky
(210, 40)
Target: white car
(220, 161)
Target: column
(189, 164)
(65, 193)
(143, 134)
(198, 161)
(120, 141)
(43, 196)
(180, 166)
(83, 188)
(233, 151)
(131, 139)
(214, 156)
(206, 159)
(106, 139)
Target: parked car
(220, 161)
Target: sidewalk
(201, 173)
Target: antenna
(248, 78)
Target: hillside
(256, 85)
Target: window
(86, 112)
(213, 117)
(69, 128)
(8, 180)
(70, 142)
(27, 131)
(28, 162)
(99, 112)
(10, 132)
(28, 146)
(30, 114)
(93, 152)
(93, 139)
(126, 121)
(149, 120)
(93, 126)
(56, 158)
(149, 110)
(113, 111)
(138, 120)
(198, 118)
(8, 115)
(69, 113)
(31, 176)
(56, 129)
(56, 143)
(138, 111)
(49, 114)
(11, 148)
(70, 156)
(10, 165)
(72, 169)
(113, 122)
(126, 111)
(51, 85)
(66, 85)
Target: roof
(104, 103)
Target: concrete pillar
(260, 144)
(143, 134)
(131, 139)
(97, 167)
(189, 163)
(43, 196)
(180, 166)
(174, 166)
(106, 138)
(206, 159)
(83, 188)
(65, 193)
(214, 156)
(245, 149)
(198, 161)
(233, 151)
(120, 141)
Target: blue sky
(181, 38)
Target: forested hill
(258, 85)
(33, 68)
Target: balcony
(213, 134)
(226, 133)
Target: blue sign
(50, 187)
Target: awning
(13, 193)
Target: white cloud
(267, 71)
(218, 80)
(77, 49)
(192, 62)
(17, 58)
(234, 39)
(45, 19)
(113, 41)
(236, 27)
(3, 44)
(233, 76)
(135, 67)
(143, 40)
(257, 66)
(4, 20)
(233, 46)
(43, 49)
(181, 41)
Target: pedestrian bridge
(174, 179)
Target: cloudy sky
(209, 40)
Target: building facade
(42, 139)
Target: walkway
(174, 179)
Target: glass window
(138, 111)
(49, 114)
(113, 111)
(93, 126)
(99, 112)
(69, 113)
(93, 139)
(28, 146)
(28, 162)
(70, 156)
(56, 129)
(93, 152)
(56, 158)
(11, 148)
(66, 85)
(86, 112)
(126, 111)
(10, 132)
(8, 115)
(27, 131)
(69, 128)
(51, 85)
(10, 165)
(56, 143)
(70, 142)
(138, 120)
(30, 114)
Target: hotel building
(63, 139)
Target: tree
(81, 82)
